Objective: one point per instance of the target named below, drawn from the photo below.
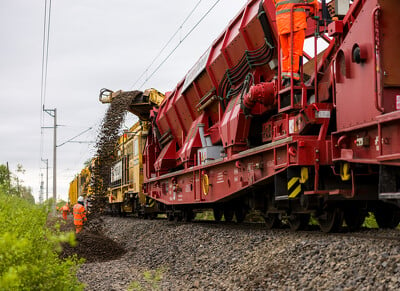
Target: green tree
(12, 184)
(4, 178)
(18, 180)
(26, 193)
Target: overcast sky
(93, 44)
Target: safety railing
(301, 86)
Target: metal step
(394, 195)
(284, 197)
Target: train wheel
(272, 220)
(141, 213)
(149, 216)
(387, 216)
(170, 216)
(354, 218)
(178, 217)
(188, 215)
(298, 221)
(240, 213)
(217, 214)
(119, 210)
(228, 214)
(331, 220)
(111, 210)
(114, 210)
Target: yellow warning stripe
(294, 187)
(292, 181)
(295, 192)
(303, 175)
(152, 203)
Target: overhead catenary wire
(42, 82)
(82, 141)
(180, 42)
(72, 138)
(47, 54)
(43, 57)
(46, 51)
(44, 66)
(167, 43)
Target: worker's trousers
(287, 57)
(78, 228)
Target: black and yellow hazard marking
(303, 175)
(294, 187)
(151, 202)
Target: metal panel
(390, 41)
(355, 87)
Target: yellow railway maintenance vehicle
(125, 193)
(80, 185)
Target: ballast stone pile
(91, 245)
(209, 256)
(107, 138)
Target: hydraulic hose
(262, 17)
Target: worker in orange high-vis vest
(79, 214)
(65, 211)
(283, 22)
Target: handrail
(291, 36)
(304, 5)
(377, 64)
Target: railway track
(229, 256)
(363, 233)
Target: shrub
(28, 250)
(151, 281)
(205, 215)
(370, 221)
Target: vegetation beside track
(370, 221)
(29, 249)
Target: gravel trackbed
(162, 255)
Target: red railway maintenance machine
(231, 138)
